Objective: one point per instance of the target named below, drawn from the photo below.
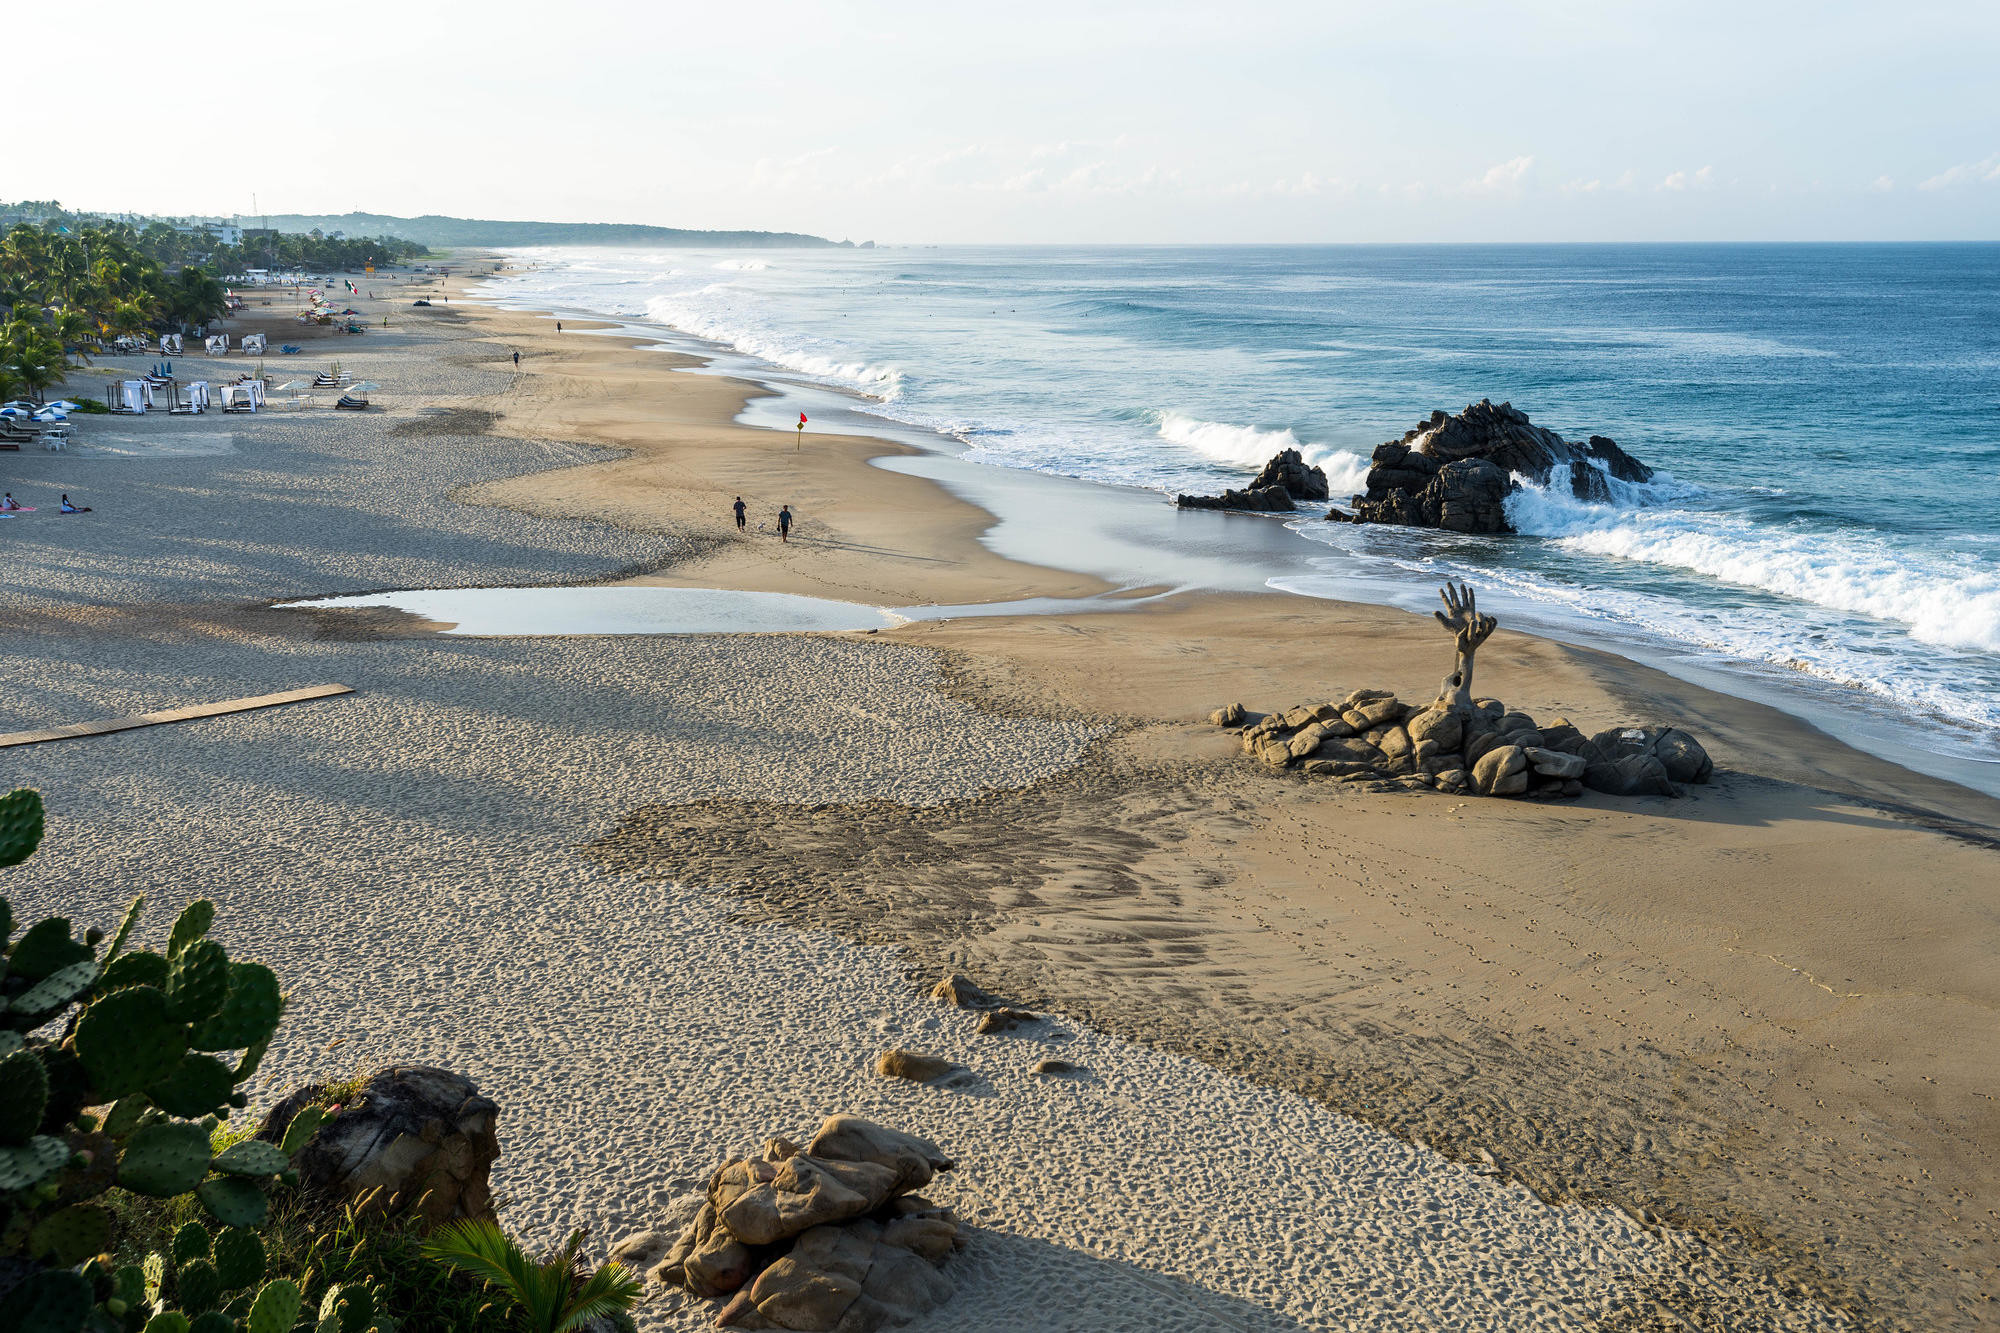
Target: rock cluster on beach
(1456, 472)
(1486, 749)
(829, 1236)
(1287, 478)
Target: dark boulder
(1455, 472)
(1286, 478)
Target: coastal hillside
(432, 229)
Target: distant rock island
(1456, 472)
(432, 229)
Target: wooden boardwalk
(171, 715)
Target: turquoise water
(1824, 416)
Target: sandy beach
(1351, 1059)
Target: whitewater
(1827, 515)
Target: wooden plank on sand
(171, 715)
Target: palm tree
(551, 1297)
(33, 357)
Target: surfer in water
(8, 501)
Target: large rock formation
(1285, 479)
(1456, 472)
(412, 1139)
(828, 1237)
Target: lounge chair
(349, 403)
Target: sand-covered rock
(912, 1065)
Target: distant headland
(434, 230)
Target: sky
(1022, 122)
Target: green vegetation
(433, 229)
(130, 1204)
(554, 1296)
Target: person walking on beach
(738, 507)
(517, 360)
(785, 524)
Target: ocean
(1824, 419)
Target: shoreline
(1754, 1019)
(1786, 772)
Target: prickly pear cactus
(159, 1045)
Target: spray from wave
(1842, 570)
(1251, 447)
(705, 314)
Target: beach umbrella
(366, 386)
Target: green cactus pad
(164, 1159)
(252, 1157)
(199, 1085)
(239, 1259)
(168, 1321)
(252, 1057)
(51, 1301)
(128, 1284)
(198, 980)
(190, 1242)
(71, 1235)
(353, 1303)
(250, 1013)
(129, 1039)
(130, 920)
(69, 1088)
(34, 1161)
(125, 1116)
(196, 1287)
(140, 968)
(213, 1322)
(190, 925)
(39, 1003)
(24, 1093)
(234, 1201)
(45, 949)
(20, 825)
(304, 1125)
(10, 1041)
(276, 1308)
(155, 1273)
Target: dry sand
(1763, 1014)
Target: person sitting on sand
(8, 501)
(69, 508)
(785, 524)
(738, 507)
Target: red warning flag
(802, 418)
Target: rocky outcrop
(1286, 479)
(1456, 472)
(1483, 748)
(412, 1139)
(828, 1237)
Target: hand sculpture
(1471, 629)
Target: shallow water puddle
(507, 612)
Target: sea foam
(1250, 447)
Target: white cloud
(1689, 180)
(1986, 171)
(1582, 186)
(1882, 184)
(1502, 175)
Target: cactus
(199, 1085)
(249, 1014)
(234, 1201)
(196, 1287)
(34, 1006)
(51, 1301)
(190, 925)
(239, 1259)
(128, 1284)
(168, 1321)
(71, 1235)
(189, 1244)
(198, 980)
(130, 920)
(129, 1039)
(34, 1161)
(252, 1157)
(164, 1159)
(304, 1125)
(24, 1092)
(276, 1308)
(213, 1322)
(45, 948)
(20, 826)
(134, 969)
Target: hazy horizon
(1273, 124)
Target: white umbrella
(66, 405)
(296, 385)
(366, 386)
